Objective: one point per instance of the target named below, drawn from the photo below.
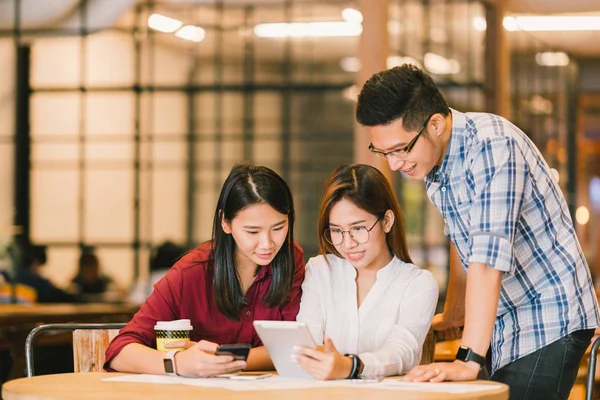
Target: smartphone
(239, 351)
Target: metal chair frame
(57, 327)
(591, 374)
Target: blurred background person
(29, 274)
(90, 283)
(164, 256)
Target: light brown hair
(369, 190)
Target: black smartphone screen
(237, 351)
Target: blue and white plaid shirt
(503, 208)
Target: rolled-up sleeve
(498, 174)
(161, 305)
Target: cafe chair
(89, 344)
(592, 369)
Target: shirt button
(443, 189)
(248, 312)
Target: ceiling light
(550, 59)
(440, 65)
(350, 64)
(595, 192)
(555, 174)
(554, 23)
(582, 215)
(163, 24)
(351, 15)
(479, 24)
(191, 32)
(307, 29)
(351, 93)
(394, 28)
(539, 105)
(510, 24)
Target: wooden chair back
(89, 347)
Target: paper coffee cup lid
(177, 325)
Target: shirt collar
(441, 173)
(383, 273)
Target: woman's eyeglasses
(360, 234)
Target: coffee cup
(172, 331)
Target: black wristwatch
(357, 366)
(466, 354)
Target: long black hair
(247, 185)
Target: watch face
(466, 354)
(169, 366)
(462, 353)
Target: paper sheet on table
(278, 383)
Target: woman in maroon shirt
(251, 270)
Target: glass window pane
(267, 153)
(56, 62)
(113, 155)
(109, 113)
(55, 113)
(110, 59)
(205, 150)
(117, 264)
(206, 197)
(7, 86)
(108, 206)
(163, 62)
(7, 184)
(55, 153)
(169, 207)
(267, 113)
(164, 113)
(54, 205)
(170, 153)
(61, 266)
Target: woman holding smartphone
(251, 269)
(363, 293)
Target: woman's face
(374, 253)
(259, 232)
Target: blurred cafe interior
(120, 119)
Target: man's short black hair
(401, 92)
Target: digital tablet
(280, 337)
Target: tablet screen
(280, 337)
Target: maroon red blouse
(187, 292)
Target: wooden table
(90, 386)
(12, 315)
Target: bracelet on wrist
(354, 369)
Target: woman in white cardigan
(362, 297)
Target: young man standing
(527, 289)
